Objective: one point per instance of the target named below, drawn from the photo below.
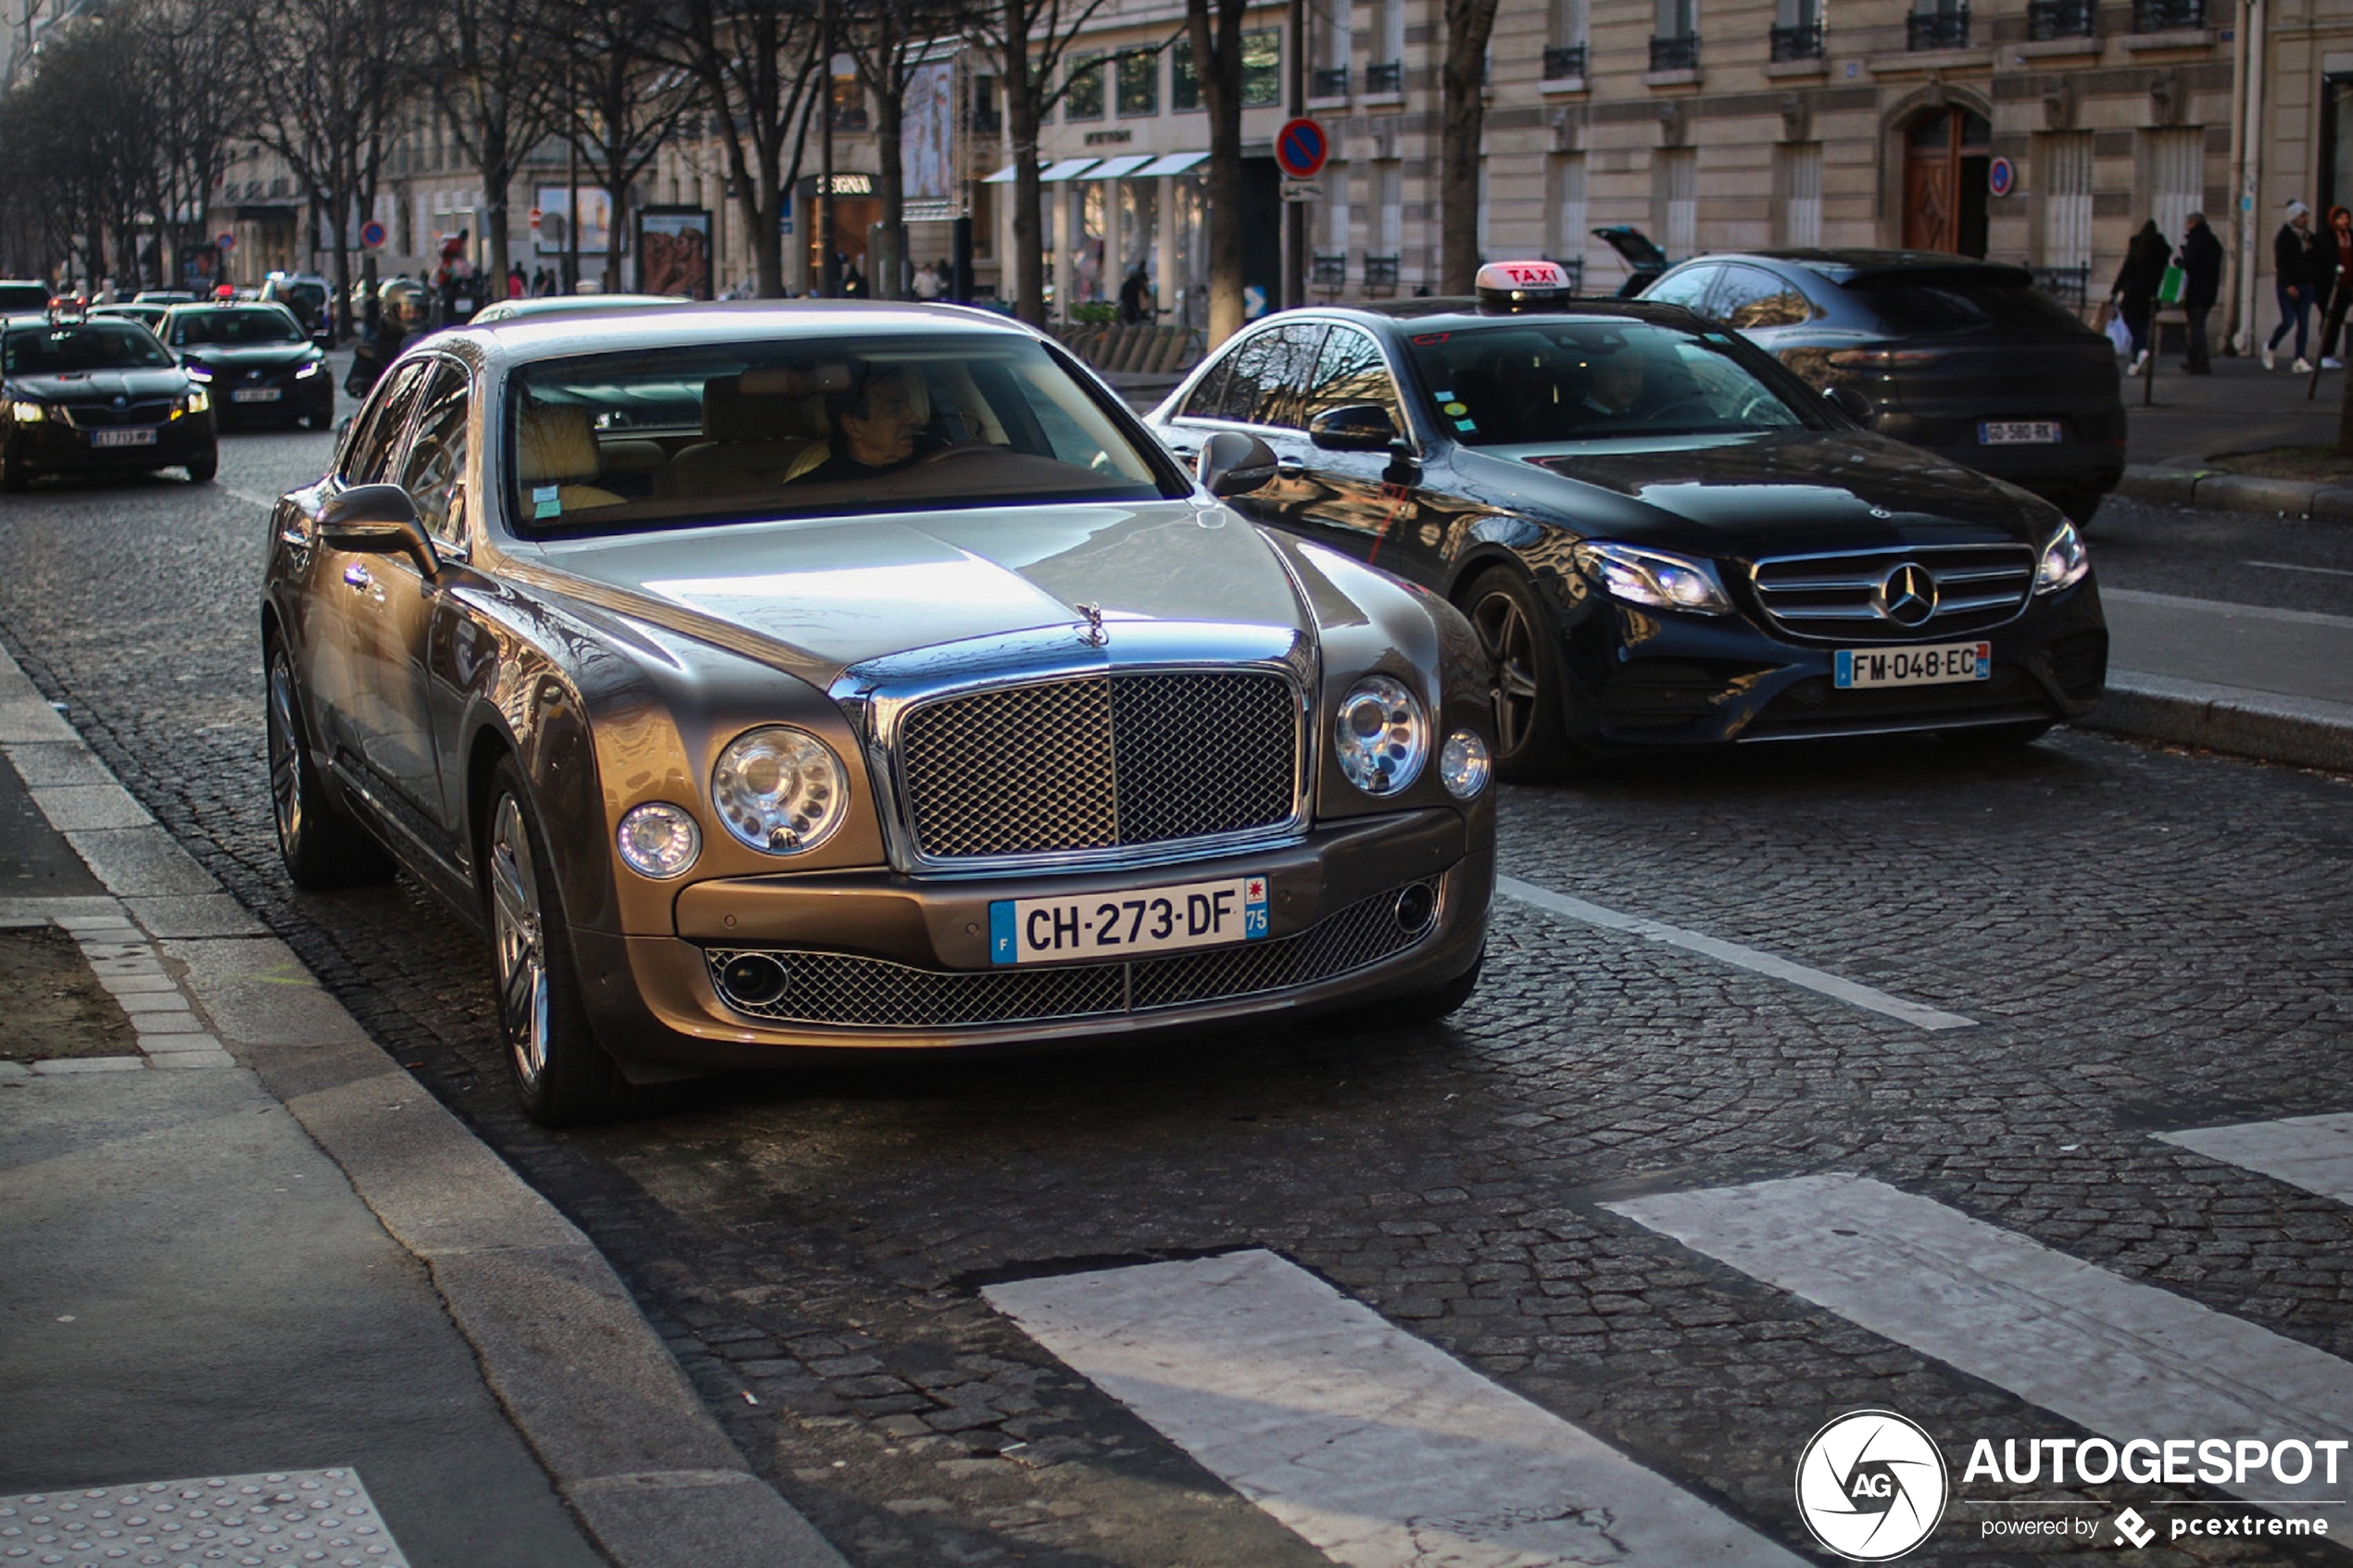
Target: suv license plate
(257, 394)
(2018, 433)
(138, 435)
(1114, 925)
(1914, 666)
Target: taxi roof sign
(1522, 285)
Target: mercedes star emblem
(1909, 597)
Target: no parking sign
(2000, 177)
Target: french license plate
(1914, 666)
(2018, 433)
(138, 435)
(257, 394)
(1110, 926)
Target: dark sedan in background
(95, 396)
(257, 359)
(1661, 535)
(1966, 359)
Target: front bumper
(1644, 680)
(2089, 455)
(306, 398)
(880, 961)
(53, 447)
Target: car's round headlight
(780, 790)
(1464, 764)
(1380, 736)
(660, 840)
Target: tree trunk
(1469, 23)
(1217, 64)
(1029, 208)
(890, 185)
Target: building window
(1329, 27)
(988, 119)
(2066, 179)
(1262, 68)
(1798, 191)
(1564, 209)
(1486, 205)
(1674, 200)
(1184, 82)
(2174, 161)
(849, 103)
(1083, 96)
(1137, 81)
(1677, 18)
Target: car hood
(1748, 496)
(248, 356)
(818, 596)
(163, 381)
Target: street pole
(2231, 336)
(2251, 41)
(828, 272)
(1295, 213)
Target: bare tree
(185, 57)
(621, 100)
(1030, 39)
(756, 63)
(1462, 124)
(1216, 28)
(496, 82)
(886, 41)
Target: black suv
(1967, 358)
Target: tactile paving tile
(291, 1517)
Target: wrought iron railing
(1328, 81)
(2069, 286)
(1801, 42)
(1937, 29)
(1380, 274)
(1327, 271)
(2046, 20)
(1386, 77)
(1680, 53)
(2167, 16)
(1565, 64)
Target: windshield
(252, 323)
(1544, 381)
(94, 346)
(811, 427)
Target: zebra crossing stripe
(1755, 961)
(2312, 1152)
(1373, 1446)
(2123, 1359)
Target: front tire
(1432, 1006)
(15, 477)
(323, 849)
(201, 470)
(562, 1076)
(1524, 656)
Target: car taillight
(1885, 358)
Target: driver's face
(1619, 380)
(887, 432)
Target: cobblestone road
(2147, 940)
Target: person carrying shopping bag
(2136, 285)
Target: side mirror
(1357, 427)
(1851, 402)
(1235, 464)
(377, 519)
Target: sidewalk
(248, 1256)
(2240, 407)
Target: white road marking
(2291, 565)
(1373, 1446)
(1853, 993)
(265, 502)
(2224, 606)
(2312, 1152)
(2125, 1360)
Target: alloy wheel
(519, 933)
(285, 757)
(1509, 643)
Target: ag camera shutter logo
(1871, 1485)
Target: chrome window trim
(878, 696)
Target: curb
(593, 1391)
(2304, 732)
(2211, 491)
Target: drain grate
(296, 1516)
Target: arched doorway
(1946, 154)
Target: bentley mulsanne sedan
(765, 680)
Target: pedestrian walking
(2292, 279)
(517, 284)
(2201, 286)
(2334, 285)
(2137, 284)
(1135, 296)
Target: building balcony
(1925, 31)
(1680, 53)
(1380, 274)
(2049, 19)
(1328, 81)
(1565, 64)
(2167, 16)
(1385, 80)
(1327, 271)
(1801, 42)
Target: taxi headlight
(309, 369)
(28, 413)
(195, 401)
(2065, 560)
(1657, 579)
(1380, 736)
(1464, 764)
(780, 790)
(660, 840)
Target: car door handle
(1289, 467)
(356, 576)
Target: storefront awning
(1175, 163)
(1069, 169)
(1119, 167)
(1005, 175)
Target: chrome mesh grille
(842, 990)
(1833, 597)
(1101, 761)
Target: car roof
(557, 333)
(1466, 313)
(1857, 265)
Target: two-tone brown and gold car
(775, 679)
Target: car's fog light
(753, 979)
(1380, 737)
(1464, 764)
(1417, 906)
(660, 840)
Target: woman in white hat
(2295, 274)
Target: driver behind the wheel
(877, 425)
(1616, 390)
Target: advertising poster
(928, 151)
(674, 251)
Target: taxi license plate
(1130, 924)
(1914, 666)
(141, 435)
(2018, 433)
(257, 394)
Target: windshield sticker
(1446, 397)
(1456, 409)
(547, 500)
(1466, 424)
